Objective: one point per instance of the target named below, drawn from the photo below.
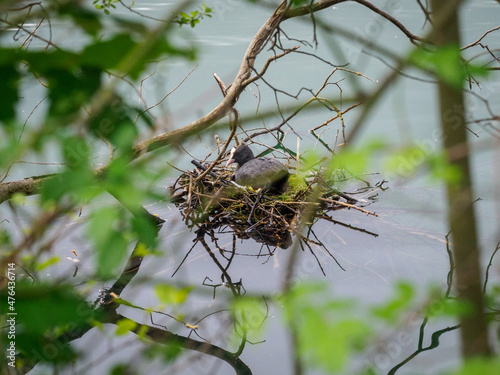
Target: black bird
(266, 173)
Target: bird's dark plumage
(266, 173)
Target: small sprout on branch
(105, 5)
(194, 17)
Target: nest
(213, 200)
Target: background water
(412, 220)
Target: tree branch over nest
(242, 80)
(233, 93)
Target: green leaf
(448, 307)
(121, 369)
(252, 311)
(9, 92)
(356, 161)
(327, 332)
(393, 308)
(19, 199)
(405, 162)
(146, 230)
(108, 54)
(124, 326)
(167, 351)
(162, 48)
(114, 123)
(101, 222)
(45, 62)
(69, 91)
(10, 152)
(447, 63)
(111, 254)
(170, 294)
(49, 262)
(78, 183)
(76, 152)
(441, 170)
(171, 351)
(87, 20)
(478, 366)
(47, 312)
(106, 229)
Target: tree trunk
(460, 196)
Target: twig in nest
(349, 205)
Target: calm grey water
(411, 223)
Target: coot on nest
(266, 173)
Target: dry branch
(27, 186)
(232, 95)
(241, 81)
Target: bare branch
(171, 91)
(31, 33)
(391, 19)
(307, 9)
(233, 93)
(481, 38)
(266, 65)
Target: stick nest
(214, 201)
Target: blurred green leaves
(400, 302)
(107, 54)
(9, 92)
(327, 332)
(448, 307)
(124, 326)
(78, 183)
(478, 366)
(250, 315)
(73, 78)
(405, 162)
(167, 351)
(107, 229)
(357, 161)
(446, 63)
(87, 20)
(172, 295)
(47, 311)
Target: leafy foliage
(86, 109)
(327, 332)
(107, 227)
(194, 17)
(124, 326)
(171, 295)
(105, 5)
(391, 309)
(47, 311)
(447, 63)
(478, 366)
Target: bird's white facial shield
(231, 157)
